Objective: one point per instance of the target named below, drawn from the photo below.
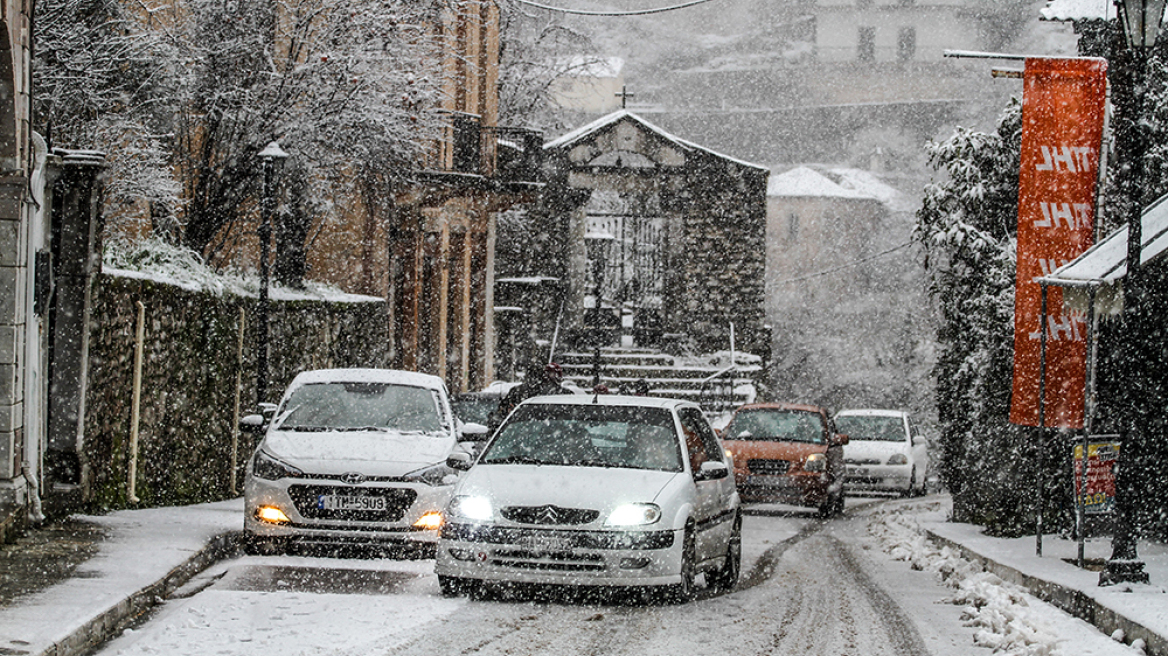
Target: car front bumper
(310, 525)
(803, 489)
(563, 557)
(879, 478)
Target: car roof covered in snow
(870, 412)
(360, 375)
(610, 399)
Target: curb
(106, 625)
(1066, 599)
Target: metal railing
(716, 394)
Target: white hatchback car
(885, 451)
(352, 456)
(595, 490)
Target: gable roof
(584, 132)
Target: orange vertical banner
(1063, 108)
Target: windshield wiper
(306, 429)
(516, 460)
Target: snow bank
(1004, 616)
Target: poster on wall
(1063, 109)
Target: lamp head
(1140, 20)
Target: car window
(589, 436)
(700, 440)
(777, 425)
(352, 406)
(871, 428)
(475, 409)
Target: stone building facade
(656, 241)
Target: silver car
(589, 490)
(352, 456)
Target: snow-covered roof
(803, 182)
(622, 114)
(585, 66)
(1106, 262)
(1073, 10)
(1096, 276)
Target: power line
(634, 12)
(853, 263)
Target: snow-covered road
(860, 585)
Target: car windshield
(588, 436)
(362, 406)
(474, 409)
(871, 428)
(776, 425)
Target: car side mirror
(711, 470)
(839, 439)
(252, 424)
(472, 432)
(459, 460)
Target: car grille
(397, 501)
(563, 561)
(767, 467)
(862, 461)
(598, 540)
(549, 515)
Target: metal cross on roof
(624, 94)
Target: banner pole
(1041, 420)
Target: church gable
(626, 144)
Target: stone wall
(190, 370)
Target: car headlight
(474, 508)
(898, 459)
(634, 514)
(268, 468)
(816, 462)
(434, 475)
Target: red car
(787, 453)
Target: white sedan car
(595, 490)
(352, 456)
(885, 451)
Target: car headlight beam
(634, 514)
(473, 508)
(816, 462)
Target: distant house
(588, 84)
(677, 237)
(844, 292)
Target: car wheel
(726, 577)
(911, 490)
(684, 591)
(453, 586)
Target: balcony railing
(503, 153)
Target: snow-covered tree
(968, 226)
(103, 80)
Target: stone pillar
(77, 227)
(14, 272)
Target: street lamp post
(271, 156)
(1140, 20)
(597, 242)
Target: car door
(714, 498)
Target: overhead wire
(632, 12)
(847, 265)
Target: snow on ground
(1004, 616)
(274, 606)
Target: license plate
(545, 543)
(340, 502)
(768, 481)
